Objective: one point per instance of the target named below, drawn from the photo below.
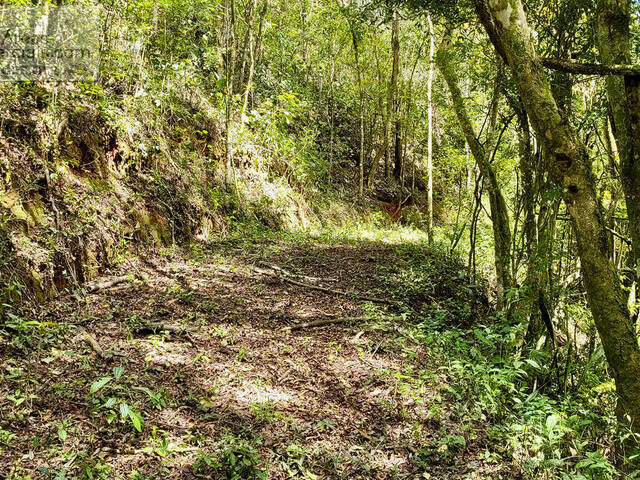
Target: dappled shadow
(351, 397)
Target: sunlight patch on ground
(387, 461)
(366, 362)
(167, 353)
(367, 232)
(400, 432)
(249, 394)
(173, 417)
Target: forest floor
(196, 344)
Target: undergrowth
(549, 432)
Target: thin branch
(620, 236)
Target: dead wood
(339, 292)
(92, 287)
(93, 343)
(154, 327)
(331, 321)
(286, 273)
(293, 281)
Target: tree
(483, 155)
(229, 41)
(624, 102)
(361, 155)
(430, 134)
(391, 92)
(254, 52)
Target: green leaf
(552, 422)
(145, 390)
(124, 410)
(98, 384)
(117, 372)
(533, 363)
(136, 420)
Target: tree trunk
(528, 198)
(430, 135)
(332, 110)
(482, 155)
(397, 150)
(624, 101)
(384, 150)
(229, 66)
(245, 54)
(570, 168)
(253, 58)
(354, 39)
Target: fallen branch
(286, 273)
(331, 321)
(339, 292)
(292, 281)
(97, 286)
(154, 327)
(93, 343)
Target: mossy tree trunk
(614, 17)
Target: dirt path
(235, 387)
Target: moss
(37, 285)
(11, 201)
(152, 227)
(35, 209)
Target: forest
(319, 239)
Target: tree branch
(580, 68)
